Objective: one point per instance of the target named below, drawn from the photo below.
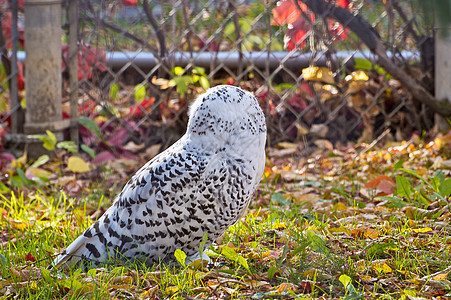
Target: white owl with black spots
(201, 184)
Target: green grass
(322, 236)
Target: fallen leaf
(381, 267)
(440, 277)
(371, 233)
(285, 287)
(172, 289)
(77, 165)
(322, 74)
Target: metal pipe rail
(288, 60)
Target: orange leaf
(371, 233)
(374, 183)
(358, 232)
(440, 277)
(387, 187)
(286, 12)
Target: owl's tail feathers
(72, 255)
(86, 248)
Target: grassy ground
(351, 223)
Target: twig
(159, 33)
(380, 137)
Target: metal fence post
(73, 68)
(442, 70)
(17, 116)
(43, 71)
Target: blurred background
(326, 73)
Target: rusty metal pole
(43, 71)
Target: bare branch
(156, 28)
(372, 40)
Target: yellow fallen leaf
(286, 287)
(422, 230)
(99, 119)
(365, 277)
(312, 273)
(440, 277)
(357, 76)
(123, 279)
(255, 283)
(172, 289)
(340, 206)
(382, 267)
(371, 233)
(77, 165)
(19, 224)
(199, 264)
(318, 74)
(286, 145)
(150, 293)
(301, 129)
(20, 161)
(39, 172)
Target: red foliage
(30, 257)
(142, 107)
(7, 21)
(130, 2)
(89, 59)
(287, 12)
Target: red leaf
(118, 137)
(344, 3)
(87, 136)
(30, 257)
(292, 14)
(286, 12)
(6, 23)
(89, 58)
(103, 157)
(358, 233)
(140, 108)
(306, 285)
(6, 157)
(130, 2)
(298, 103)
(336, 29)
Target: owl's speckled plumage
(202, 183)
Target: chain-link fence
(310, 64)
(11, 72)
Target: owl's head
(226, 112)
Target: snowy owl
(202, 184)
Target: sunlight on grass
(359, 235)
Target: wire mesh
(141, 64)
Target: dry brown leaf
(324, 144)
(132, 147)
(319, 130)
(305, 198)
